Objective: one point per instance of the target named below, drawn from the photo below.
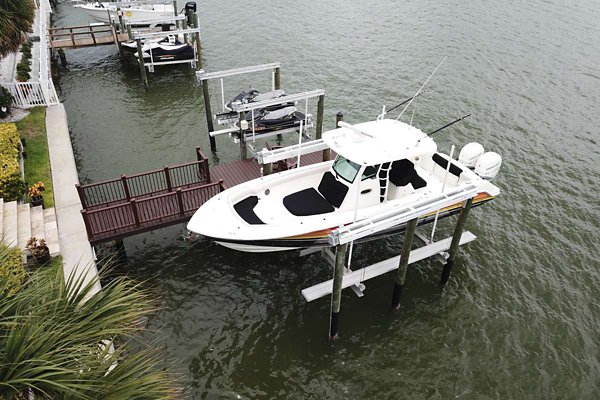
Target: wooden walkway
(129, 205)
(74, 37)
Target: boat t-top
(380, 166)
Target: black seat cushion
(417, 182)
(332, 190)
(402, 172)
(442, 162)
(245, 209)
(307, 202)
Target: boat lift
(246, 131)
(443, 250)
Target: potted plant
(35, 194)
(39, 250)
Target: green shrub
(11, 186)
(6, 101)
(12, 273)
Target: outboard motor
(470, 154)
(190, 7)
(488, 165)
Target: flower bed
(12, 186)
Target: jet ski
(173, 50)
(131, 46)
(251, 96)
(266, 121)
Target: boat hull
(102, 14)
(319, 240)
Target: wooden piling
(141, 61)
(243, 147)
(277, 78)
(455, 244)
(336, 293)
(129, 32)
(120, 247)
(205, 94)
(63, 57)
(121, 24)
(400, 276)
(319, 130)
(277, 87)
(267, 169)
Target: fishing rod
(406, 101)
(445, 126)
(421, 88)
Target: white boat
(381, 166)
(100, 11)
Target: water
(520, 316)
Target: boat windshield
(345, 168)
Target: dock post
(336, 293)
(141, 61)
(63, 58)
(277, 87)
(121, 24)
(319, 130)
(243, 149)
(205, 94)
(129, 33)
(454, 245)
(278, 78)
(403, 266)
(267, 169)
(120, 247)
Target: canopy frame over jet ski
(150, 60)
(251, 115)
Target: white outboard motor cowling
(488, 165)
(469, 154)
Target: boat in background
(107, 11)
(382, 167)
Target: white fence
(40, 92)
(30, 94)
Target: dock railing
(152, 183)
(140, 202)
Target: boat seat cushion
(442, 162)
(402, 172)
(332, 190)
(307, 202)
(245, 209)
(417, 182)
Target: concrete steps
(20, 222)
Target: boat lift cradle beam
(270, 156)
(149, 35)
(280, 100)
(355, 278)
(202, 75)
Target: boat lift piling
(454, 245)
(400, 276)
(336, 294)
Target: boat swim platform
(130, 205)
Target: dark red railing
(165, 180)
(121, 207)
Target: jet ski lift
(157, 54)
(252, 115)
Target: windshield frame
(342, 161)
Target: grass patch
(37, 164)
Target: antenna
(419, 91)
(444, 127)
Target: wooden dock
(74, 37)
(129, 205)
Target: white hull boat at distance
(99, 12)
(381, 167)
